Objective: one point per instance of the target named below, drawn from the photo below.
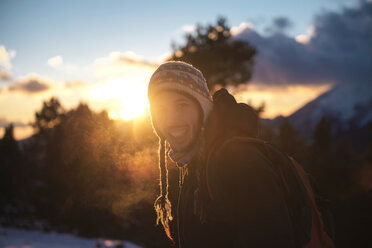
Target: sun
(133, 93)
(126, 96)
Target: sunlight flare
(129, 91)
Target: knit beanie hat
(182, 77)
(186, 79)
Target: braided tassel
(163, 210)
(162, 204)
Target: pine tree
(221, 60)
(320, 159)
(343, 168)
(10, 165)
(49, 115)
(291, 141)
(322, 139)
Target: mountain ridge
(348, 108)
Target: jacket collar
(183, 159)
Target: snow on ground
(18, 238)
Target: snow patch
(16, 238)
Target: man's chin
(180, 149)
(184, 148)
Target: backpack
(306, 219)
(241, 122)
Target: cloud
(282, 22)
(5, 57)
(129, 58)
(279, 25)
(118, 64)
(4, 75)
(31, 85)
(75, 84)
(188, 28)
(5, 122)
(335, 50)
(235, 30)
(55, 61)
(305, 38)
(115, 58)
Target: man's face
(177, 117)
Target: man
(231, 195)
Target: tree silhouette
(291, 141)
(49, 115)
(10, 165)
(320, 156)
(89, 168)
(222, 60)
(365, 170)
(343, 168)
(367, 156)
(322, 139)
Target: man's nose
(173, 116)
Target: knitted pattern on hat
(182, 77)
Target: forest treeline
(86, 173)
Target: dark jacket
(248, 208)
(253, 205)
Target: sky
(103, 52)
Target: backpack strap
(319, 238)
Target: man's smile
(177, 132)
